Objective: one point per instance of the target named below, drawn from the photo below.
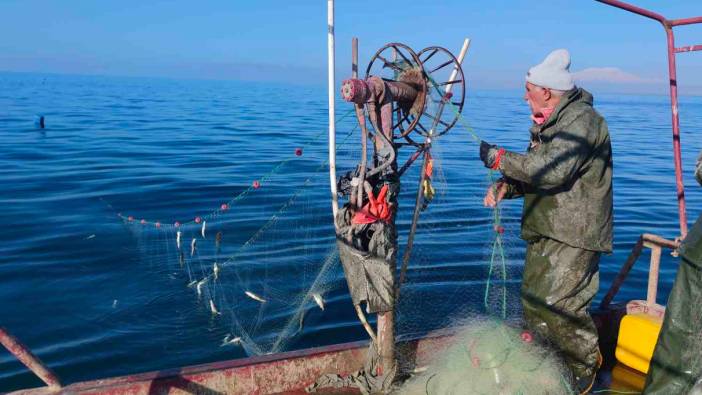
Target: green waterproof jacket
(565, 176)
(691, 248)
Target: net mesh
(265, 294)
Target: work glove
(490, 155)
(344, 185)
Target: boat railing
(656, 244)
(668, 25)
(21, 352)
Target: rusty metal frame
(656, 244)
(668, 25)
(22, 353)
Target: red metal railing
(672, 50)
(21, 352)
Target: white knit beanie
(553, 72)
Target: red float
(298, 151)
(130, 218)
(176, 224)
(224, 206)
(143, 221)
(256, 184)
(475, 361)
(158, 224)
(198, 220)
(526, 337)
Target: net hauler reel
(401, 86)
(408, 99)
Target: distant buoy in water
(198, 220)
(224, 206)
(256, 184)
(40, 122)
(298, 151)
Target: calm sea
(92, 299)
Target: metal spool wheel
(398, 62)
(439, 64)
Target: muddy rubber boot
(584, 385)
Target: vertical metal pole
(676, 130)
(422, 175)
(386, 320)
(354, 57)
(21, 352)
(332, 126)
(386, 341)
(653, 269)
(364, 132)
(461, 55)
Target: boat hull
(288, 372)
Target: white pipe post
(332, 128)
(464, 50)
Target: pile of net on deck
(490, 357)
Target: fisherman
(677, 359)
(565, 178)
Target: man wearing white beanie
(565, 178)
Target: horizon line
(321, 84)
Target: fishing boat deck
(290, 372)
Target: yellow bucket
(638, 334)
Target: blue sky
(286, 40)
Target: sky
(267, 40)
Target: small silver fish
(302, 321)
(192, 247)
(213, 309)
(215, 270)
(192, 284)
(204, 226)
(199, 286)
(255, 297)
(90, 237)
(230, 340)
(318, 299)
(178, 234)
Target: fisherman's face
(537, 97)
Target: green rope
(497, 245)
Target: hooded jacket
(566, 176)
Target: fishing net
(489, 357)
(238, 260)
(263, 264)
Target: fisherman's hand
(495, 193)
(490, 155)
